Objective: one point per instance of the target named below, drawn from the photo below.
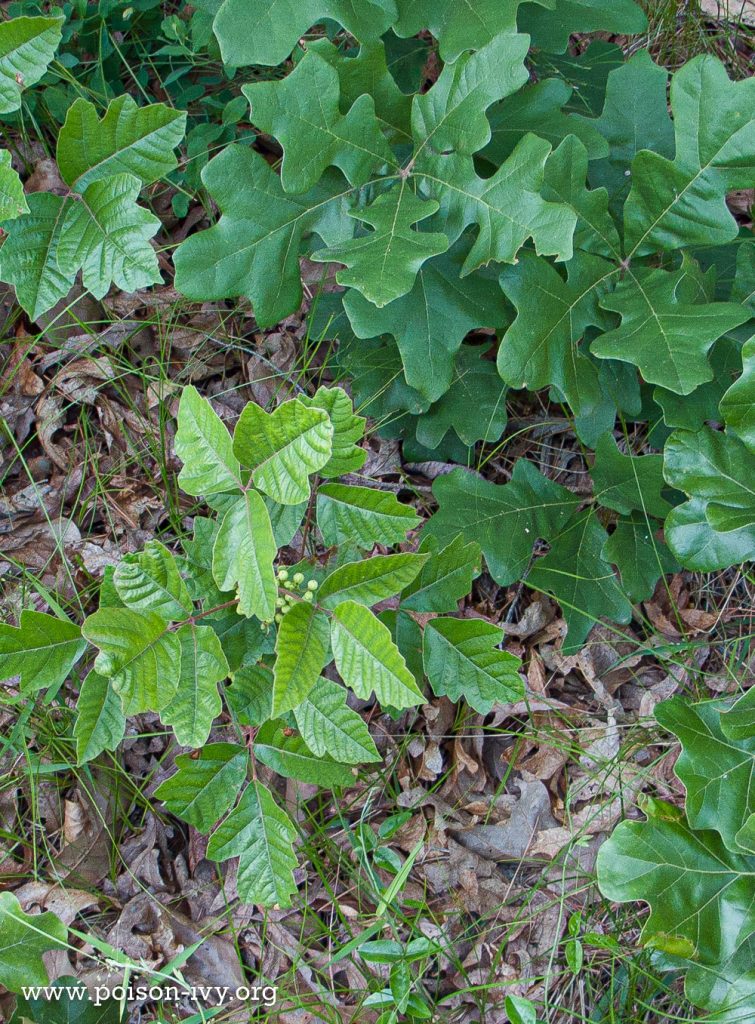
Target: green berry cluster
(285, 603)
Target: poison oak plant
(231, 611)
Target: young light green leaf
(42, 650)
(29, 256)
(628, 483)
(27, 46)
(261, 835)
(290, 757)
(138, 654)
(679, 203)
(205, 447)
(662, 332)
(106, 235)
(283, 448)
(254, 248)
(462, 659)
(266, 31)
(196, 703)
(445, 578)
(451, 115)
(243, 556)
(100, 722)
(370, 581)
(302, 649)
(302, 112)
(348, 429)
(362, 515)
(367, 658)
(329, 726)
(716, 771)
(12, 199)
(149, 581)
(205, 787)
(127, 140)
(383, 263)
(25, 937)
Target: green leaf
(586, 72)
(254, 248)
(565, 175)
(302, 111)
(662, 332)
(475, 385)
(743, 289)
(285, 519)
(451, 115)
(550, 30)
(367, 71)
(370, 581)
(149, 581)
(348, 429)
(718, 469)
(635, 117)
(205, 447)
(462, 659)
(27, 46)
(507, 208)
(302, 650)
(505, 520)
(738, 404)
(250, 696)
(639, 556)
(383, 263)
(196, 704)
(691, 412)
(367, 658)
(456, 26)
(261, 835)
(628, 483)
(127, 140)
(283, 448)
(266, 31)
(445, 578)
(716, 771)
(12, 199)
(679, 203)
(29, 256)
(540, 109)
(329, 726)
(738, 722)
(139, 654)
(66, 1002)
(100, 722)
(583, 583)
(42, 650)
(205, 787)
(106, 234)
(699, 893)
(698, 546)
(25, 937)
(290, 757)
(362, 515)
(432, 320)
(541, 348)
(243, 556)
